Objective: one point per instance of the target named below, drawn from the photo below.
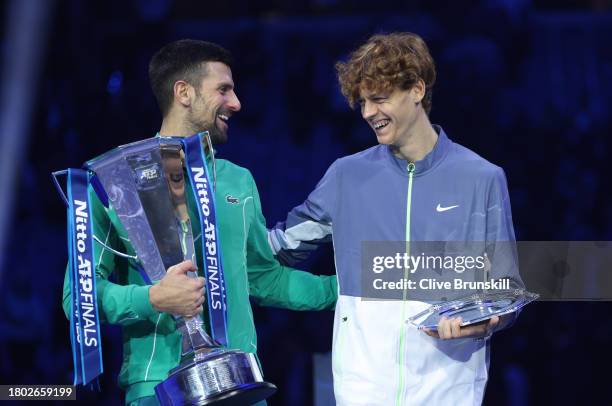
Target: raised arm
(272, 284)
(308, 225)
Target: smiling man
(192, 82)
(416, 185)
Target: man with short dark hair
(192, 81)
(181, 63)
(416, 185)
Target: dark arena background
(525, 83)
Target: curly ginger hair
(386, 62)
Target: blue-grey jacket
(452, 195)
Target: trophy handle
(212, 154)
(114, 251)
(194, 336)
(54, 176)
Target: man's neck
(419, 142)
(174, 127)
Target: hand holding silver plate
(484, 310)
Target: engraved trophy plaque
(145, 184)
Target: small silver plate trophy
(474, 308)
(144, 182)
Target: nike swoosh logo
(440, 209)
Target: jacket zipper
(410, 168)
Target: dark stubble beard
(217, 135)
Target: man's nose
(368, 109)
(234, 104)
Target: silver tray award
(474, 308)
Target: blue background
(527, 84)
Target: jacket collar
(430, 161)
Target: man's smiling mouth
(380, 124)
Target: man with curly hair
(416, 185)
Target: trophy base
(244, 396)
(220, 377)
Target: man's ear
(418, 91)
(183, 92)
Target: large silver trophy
(145, 184)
